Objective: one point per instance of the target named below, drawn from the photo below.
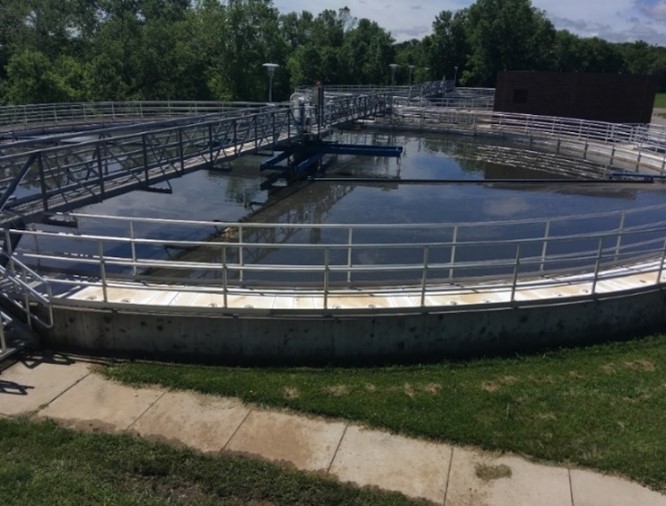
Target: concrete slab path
(69, 392)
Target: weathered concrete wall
(340, 337)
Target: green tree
(366, 53)
(251, 38)
(507, 35)
(449, 45)
(32, 78)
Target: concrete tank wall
(347, 337)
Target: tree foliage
(71, 50)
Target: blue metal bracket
(306, 155)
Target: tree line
(82, 50)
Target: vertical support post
(133, 246)
(210, 145)
(661, 264)
(620, 232)
(9, 251)
(454, 241)
(26, 298)
(544, 247)
(225, 277)
(516, 268)
(288, 118)
(327, 259)
(3, 343)
(181, 150)
(102, 270)
(350, 238)
(612, 157)
(236, 148)
(597, 265)
(241, 253)
(42, 182)
(35, 240)
(144, 147)
(424, 274)
(638, 161)
(100, 168)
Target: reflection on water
(235, 195)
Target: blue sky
(613, 20)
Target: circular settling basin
(468, 192)
(477, 191)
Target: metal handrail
(534, 125)
(27, 280)
(49, 179)
(23, 116)
(530, 260)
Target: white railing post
(661, 264)
(516, 268)
(102, 270)
(454, 240)
(241, 252)
(326, 275)
(424, 275)
(350, 240)
(597, 265)
(3, 342)
(544, 247)
(225, 277)
(620, 231)
(133, 247)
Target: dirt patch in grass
(642, 365)
(291, 393)
(337, 390)
(489, 473)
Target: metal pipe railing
(529, 260)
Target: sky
(612, 20)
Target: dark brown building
(617, 98)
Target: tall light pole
(455, 76)
(411, 68)
(270, 67)
(393, 67)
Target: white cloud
(614, 20)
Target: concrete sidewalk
(67, 391)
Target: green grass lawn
(44, 464)
(601, 407)
(660, 100)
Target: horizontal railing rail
(626, 147)
(229, 261)
(16, 118)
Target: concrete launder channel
(367, 326)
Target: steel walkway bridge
(62, 172)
